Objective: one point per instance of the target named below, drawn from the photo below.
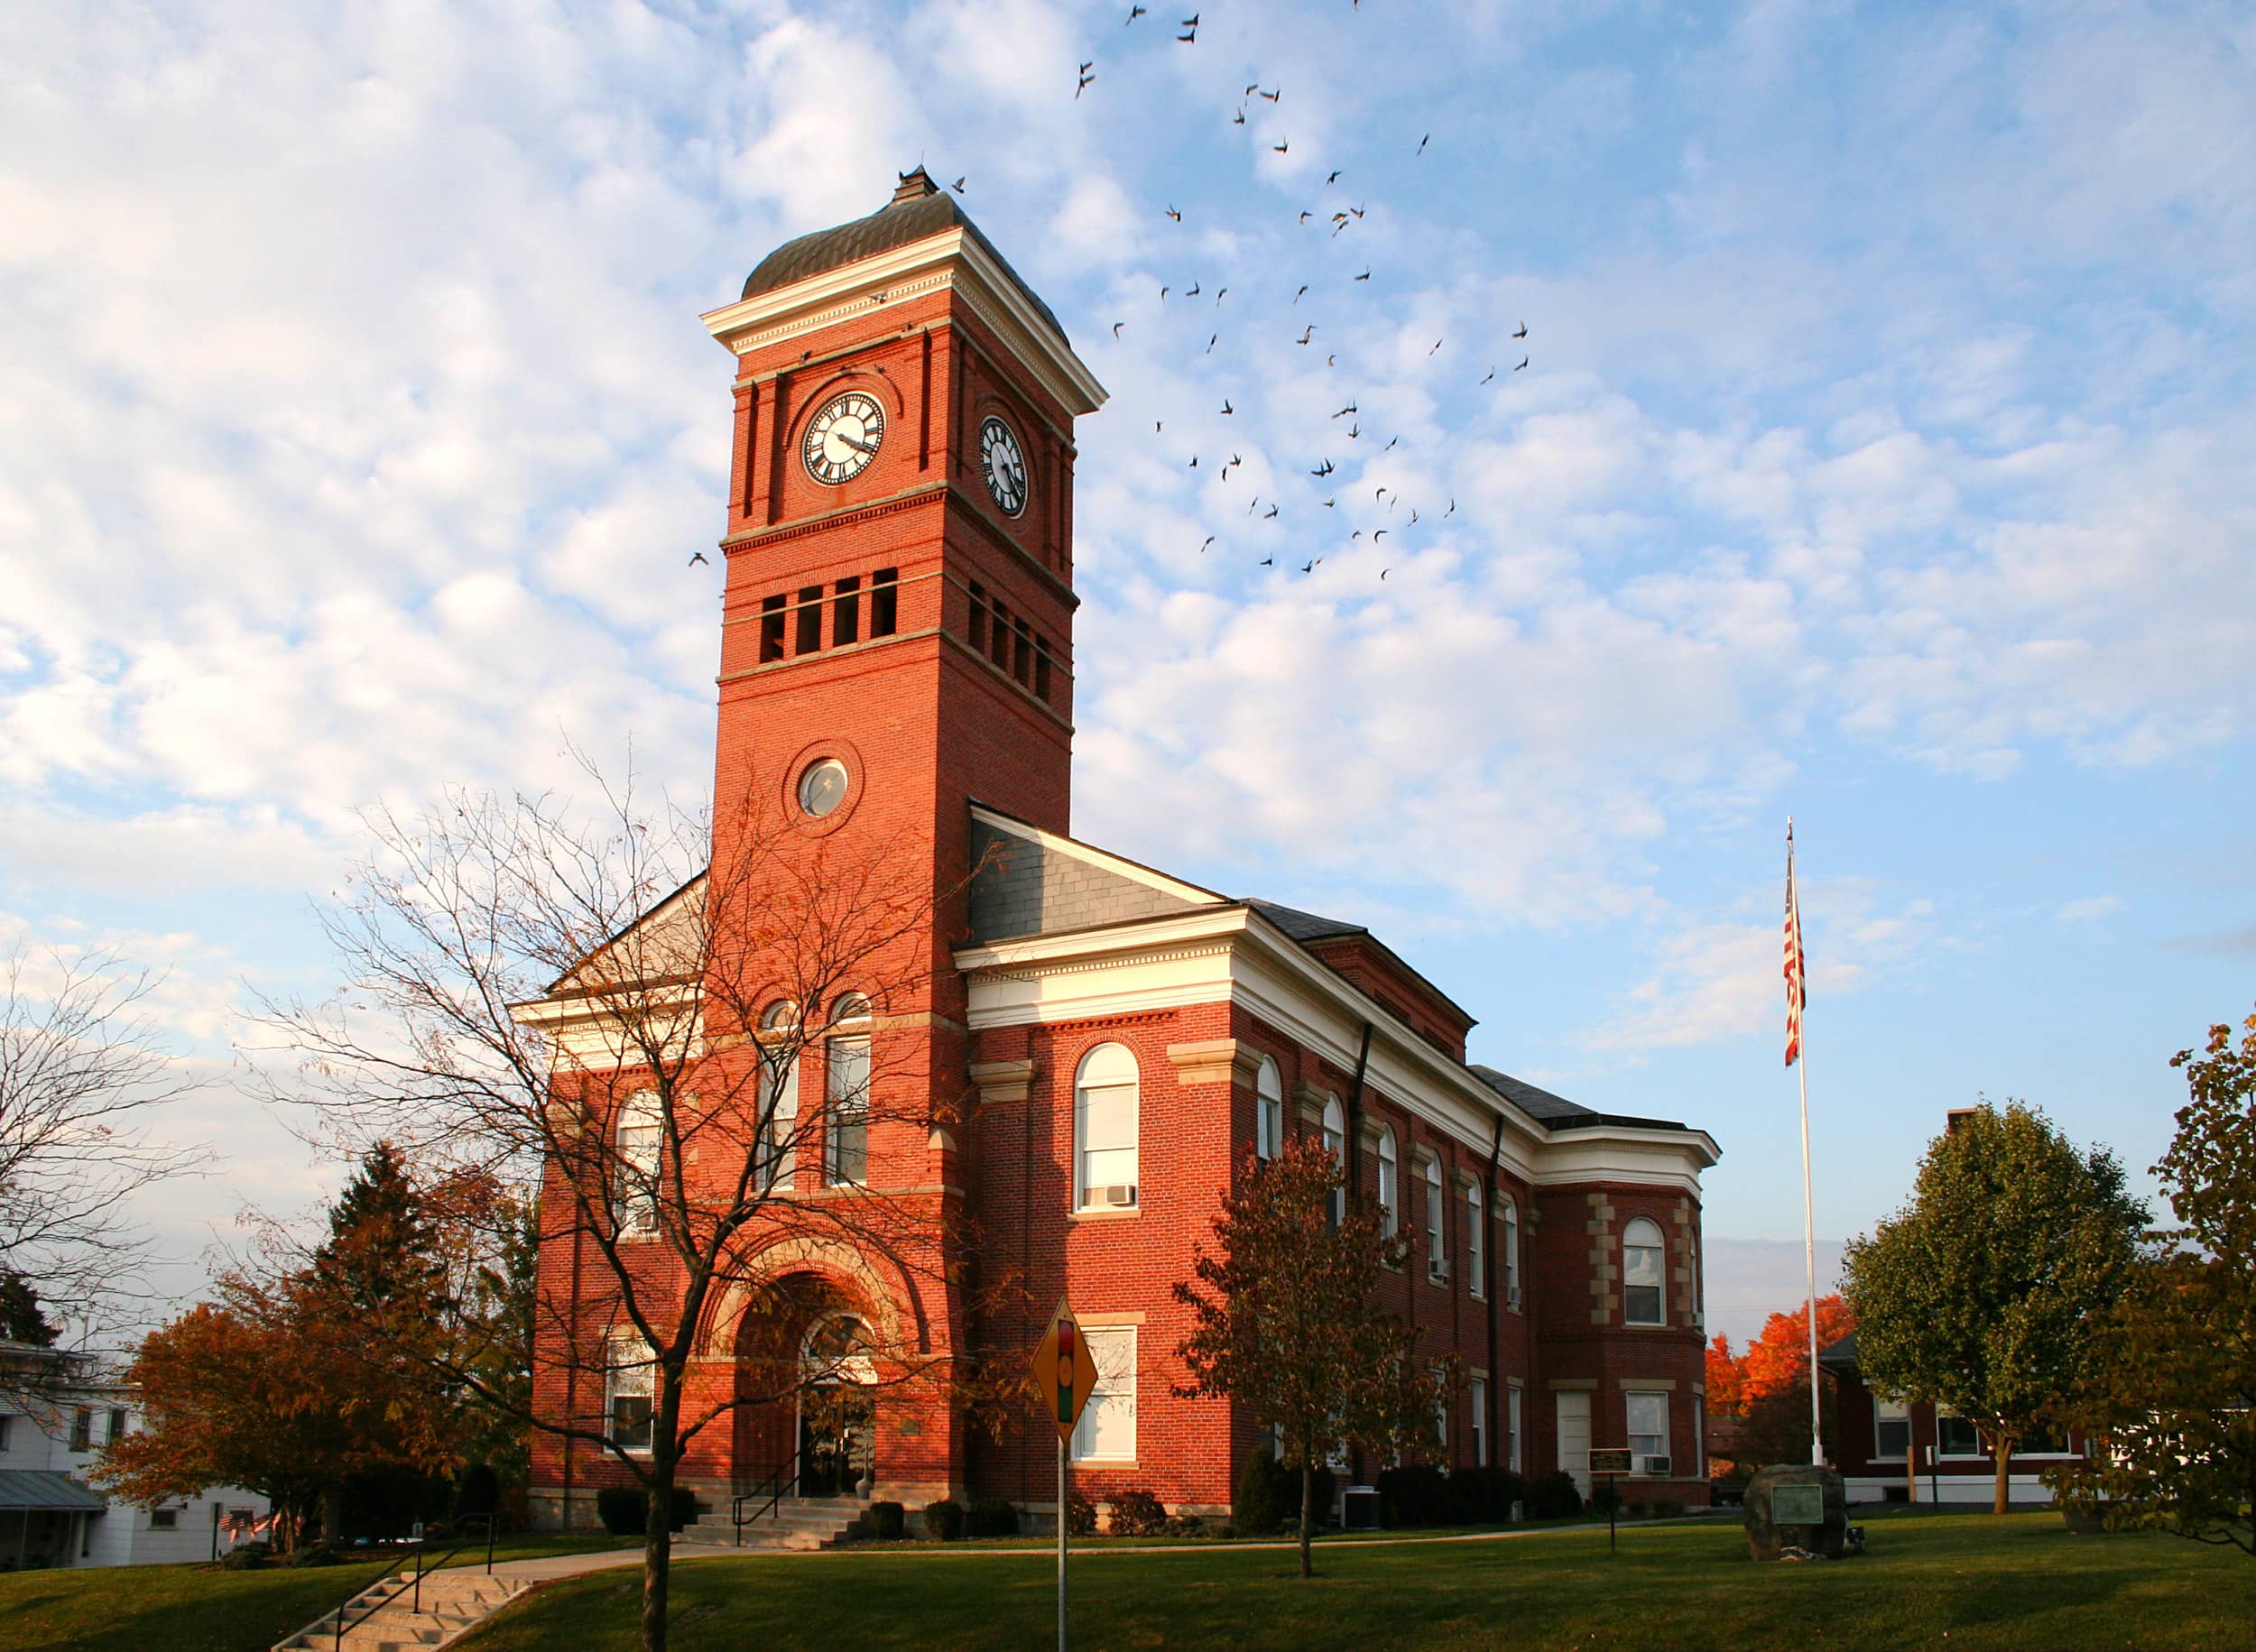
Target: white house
(51, 1516)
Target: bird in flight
(1380, 494)
(1523, 362)
(1304, 219)
(958, 185)
(1283, 147)
(1158, 424)
(1175, 215)
(1083, 86)
(1190, 30)
(1522, 333)
(1492, 374)
(1211, 339)
(1304, 287)
(1267, 562)
(1117, 326)
(697, 557)
(1413, 515)
(1226, 408)
(1357, 534)
(1452, 511)
(1239, 119)
(1310, 565)
(1274, 96)
(1221, 293)
(1378, 535)
(1305, 332)
(1388, 449)
(1163, 291)
(1191, 291)
(1272, 510)
(1345, 410)
(1325, 469)
(1354, 430)
(1202, 549)
(1423, 142)
(1331, 361)
(1255, 506)
(1194, 462)
(1332, 504)
(1436, 350)
(1136, 11)
(1334, 177)
(1384, 572)
(1364, 276)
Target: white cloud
(2088, 909)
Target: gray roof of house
(1305, 927)
(1556, 1112)
(920, 208)
(1840, 1356)
(47, 1488)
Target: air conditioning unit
(1120, 1195)
(1658, 1467)
(1436, 1267)
(1512, 1296)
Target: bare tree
(619, 1007)
(83, 1080)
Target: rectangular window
(1042, 668)
(82, 1428)
(1108, 1142)
(998, 639)
(884, 601)
(1021, 651)
(1437, 1244)
(847, 1100)
(1478, 1401)
(627, 1387)
(1512, 1400)
(1957, 1437)
(1441, 1418)
(1699, 1446)
(164, 1520)
(779, 1123)
(1891, 1430)
(978, 618)
(116, 1431)
(809, 620)
(1106, 1432)
(5, 1421)
(772, 628)
(1476, 1247)
(1648, 1427)
(846, 613)
(640, 1142)
(1512, 1255)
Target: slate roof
(1841, 1356)
(1556, 1112)
(918, 209)
(1305, 927)
(47, 1488)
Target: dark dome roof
(918, 209)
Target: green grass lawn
(197, 1608)
(1929, 1581)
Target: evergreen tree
(21, 1320)
(384, 1250)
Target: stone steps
(795, 1523)
(451, 1604)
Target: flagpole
(1809, 1259)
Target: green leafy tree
(2172, 1394)
(1284, 1322)
(1983, 1293)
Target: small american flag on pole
(1797, 986)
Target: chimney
(915, 185)
(1955, 1117)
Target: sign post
(1613, 1463)
(1065, 1376)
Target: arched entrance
(837, 1409)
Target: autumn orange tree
(1285, 1321)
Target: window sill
(1105, 1462)
(1105, 1213)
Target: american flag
(1796, 985)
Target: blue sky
(1881, 458)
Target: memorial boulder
(1797, 1505)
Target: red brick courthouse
(1102, 1042)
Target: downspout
(1353, 1145)
(1496, 1277)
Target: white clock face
(1003, 465)
(844, 438)
(823, 787)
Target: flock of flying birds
(1340, 219)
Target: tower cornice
(953, 261)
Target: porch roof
(48, 1489)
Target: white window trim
(626, 1351)
(643, 1111)
(1515, 1419)
(1475, 1242)
(1335, 1139)
(1476, 1389)
(836, 1114)
(1269, 1109)
(1661, 1246)
(1081, 1183)
(1511, 1254)
(1436, 1225)
(1389, 1182)
(1632, 1391)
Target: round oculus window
(822, 787)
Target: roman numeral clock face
(843, 438)
(1004, 466)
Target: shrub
(1419, 1494)
(1287, 1496)
(1255, 1508)
(1483, 1496)
(1605, 1501)
(478, 1491)
(1080, 1515)
(624, 1510)
(992, 1517)
(1554, 1496)
(1136, 1513)
(1184, 1526)
(246, 1557)
(888, 1519)
(1667, 1510)
(944, 1519)
(320, 1554)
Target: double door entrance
(836, 1429)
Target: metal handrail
(422, 1549)
(769, 1492)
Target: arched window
(1335, 1145)
(638, 1140)
(1106, 1108)
(1643, 1264)
(1476, 1243)
(847, 1093)
(1511, 1254)
(1389, 1182)
(1436, 1225)
(1269, 1111)
(778, 1094)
